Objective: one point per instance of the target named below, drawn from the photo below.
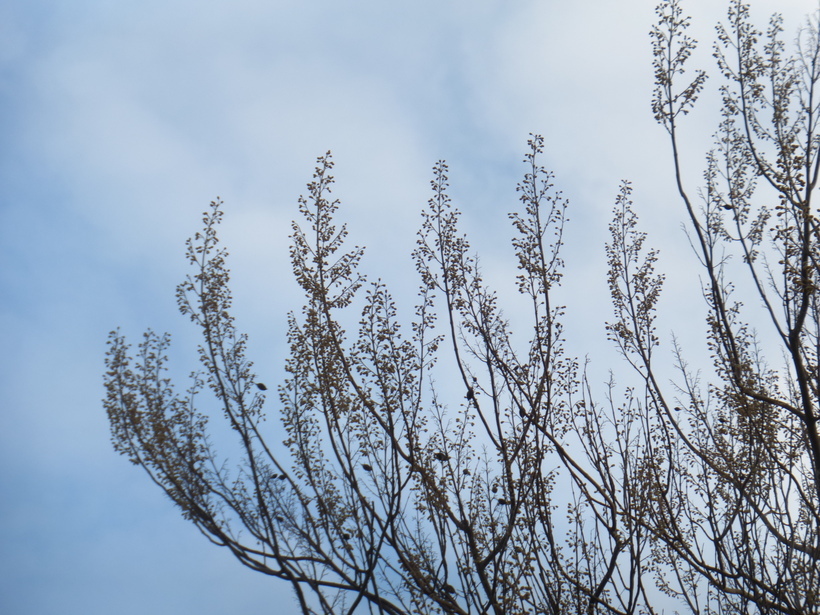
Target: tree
(734, 478)
(524, 493)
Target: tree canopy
(531, 491)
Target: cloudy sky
(121, 120)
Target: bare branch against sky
(122, 121)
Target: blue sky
(120, 121)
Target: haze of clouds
(122, 120)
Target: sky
(121, 121)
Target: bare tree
(730, 484)
(390, 497)
(520, 493)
